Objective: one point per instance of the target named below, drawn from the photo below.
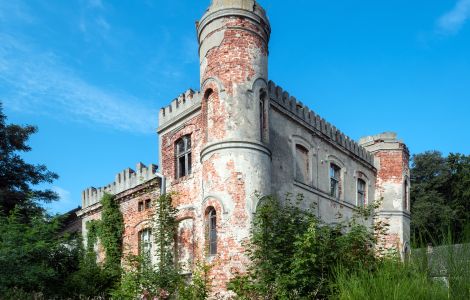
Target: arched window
(145, 242)
(361, 193)
(335, 181)
(405, 196)
(183, 156)
(302, 166)
(206, 110)
(262, 116)
(211, 235)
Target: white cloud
(37, 82)
(64, 195)
(454, 20)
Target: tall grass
(441, 272)
(391, 280)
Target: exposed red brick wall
(232, 61)
(391, 165)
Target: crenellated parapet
(179, 107)
(281, 97)
(125, 180)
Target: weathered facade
(242, 136)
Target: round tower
(233, 40)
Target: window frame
(406, 195)
(360, 182)
(184, 155)
(333, 166)
(211, 232)
(263, 115)
(307, 168)
(145, 243)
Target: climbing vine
(109, 231)
(162, 279)
(164, 230)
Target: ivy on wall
(109, 231)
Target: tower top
(235, 8)
(227, 4)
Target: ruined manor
(241, 136)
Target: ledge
(235, 144)
(324, 195)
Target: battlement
(125, 180)
(383, 141)
(185, 103)
(277, 94)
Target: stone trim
(234, 144)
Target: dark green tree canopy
(440, 197)
(17, 177)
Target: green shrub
(294, 253)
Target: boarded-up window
(185, 244)
(301, 164)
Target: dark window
(335, 181)
(212, 231)
(302, 164)
(262, 119)
(148, 204)
(183, 156)
(361, 193)
(145, 242)
(141, 206)
(405, 196)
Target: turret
(392, 186)
(233, 40)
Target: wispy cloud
(38, 82)
(452, 21)
(14, 11)
(64, 195)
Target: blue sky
(92, 74)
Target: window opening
(183, 156)
(335, 180)
(361, 193)
(212, 232)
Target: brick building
(242, 135)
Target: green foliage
(198, 288)
(294, 253)
(440, 198)
(392, 279)
(33, 258)
(91, 279)
(110, 231)
(17, 177)
(143, 279)
(164, 230)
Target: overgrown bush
(294, 254)
(144, 279)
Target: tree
(34, 259)
(440, 197)
(17, 177)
